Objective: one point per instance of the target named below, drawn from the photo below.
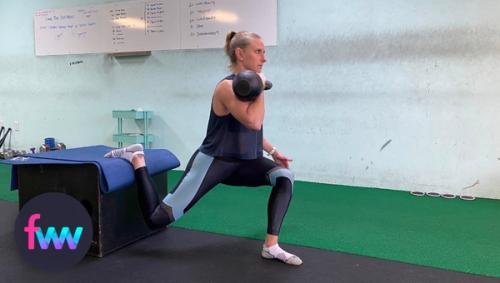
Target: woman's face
(253, 56)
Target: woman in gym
(231, 153)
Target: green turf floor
(445, 233)
(5, 192)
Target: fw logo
(53, 231)
(51, 235)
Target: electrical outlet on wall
(16, 126)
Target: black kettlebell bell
(247, 85)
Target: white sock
(276, 252)
(126, 153)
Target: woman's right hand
(263, 78)
(249, 113)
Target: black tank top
(227, 137)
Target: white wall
(348, 76)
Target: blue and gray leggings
(203, 173)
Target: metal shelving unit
(145, 137)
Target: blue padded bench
(105, 186)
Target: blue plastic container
(51, 142)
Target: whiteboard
(204, 24)
(76, 30)
(150, 25)
(142, 26)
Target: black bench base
(116, 217)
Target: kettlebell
(247, 85)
